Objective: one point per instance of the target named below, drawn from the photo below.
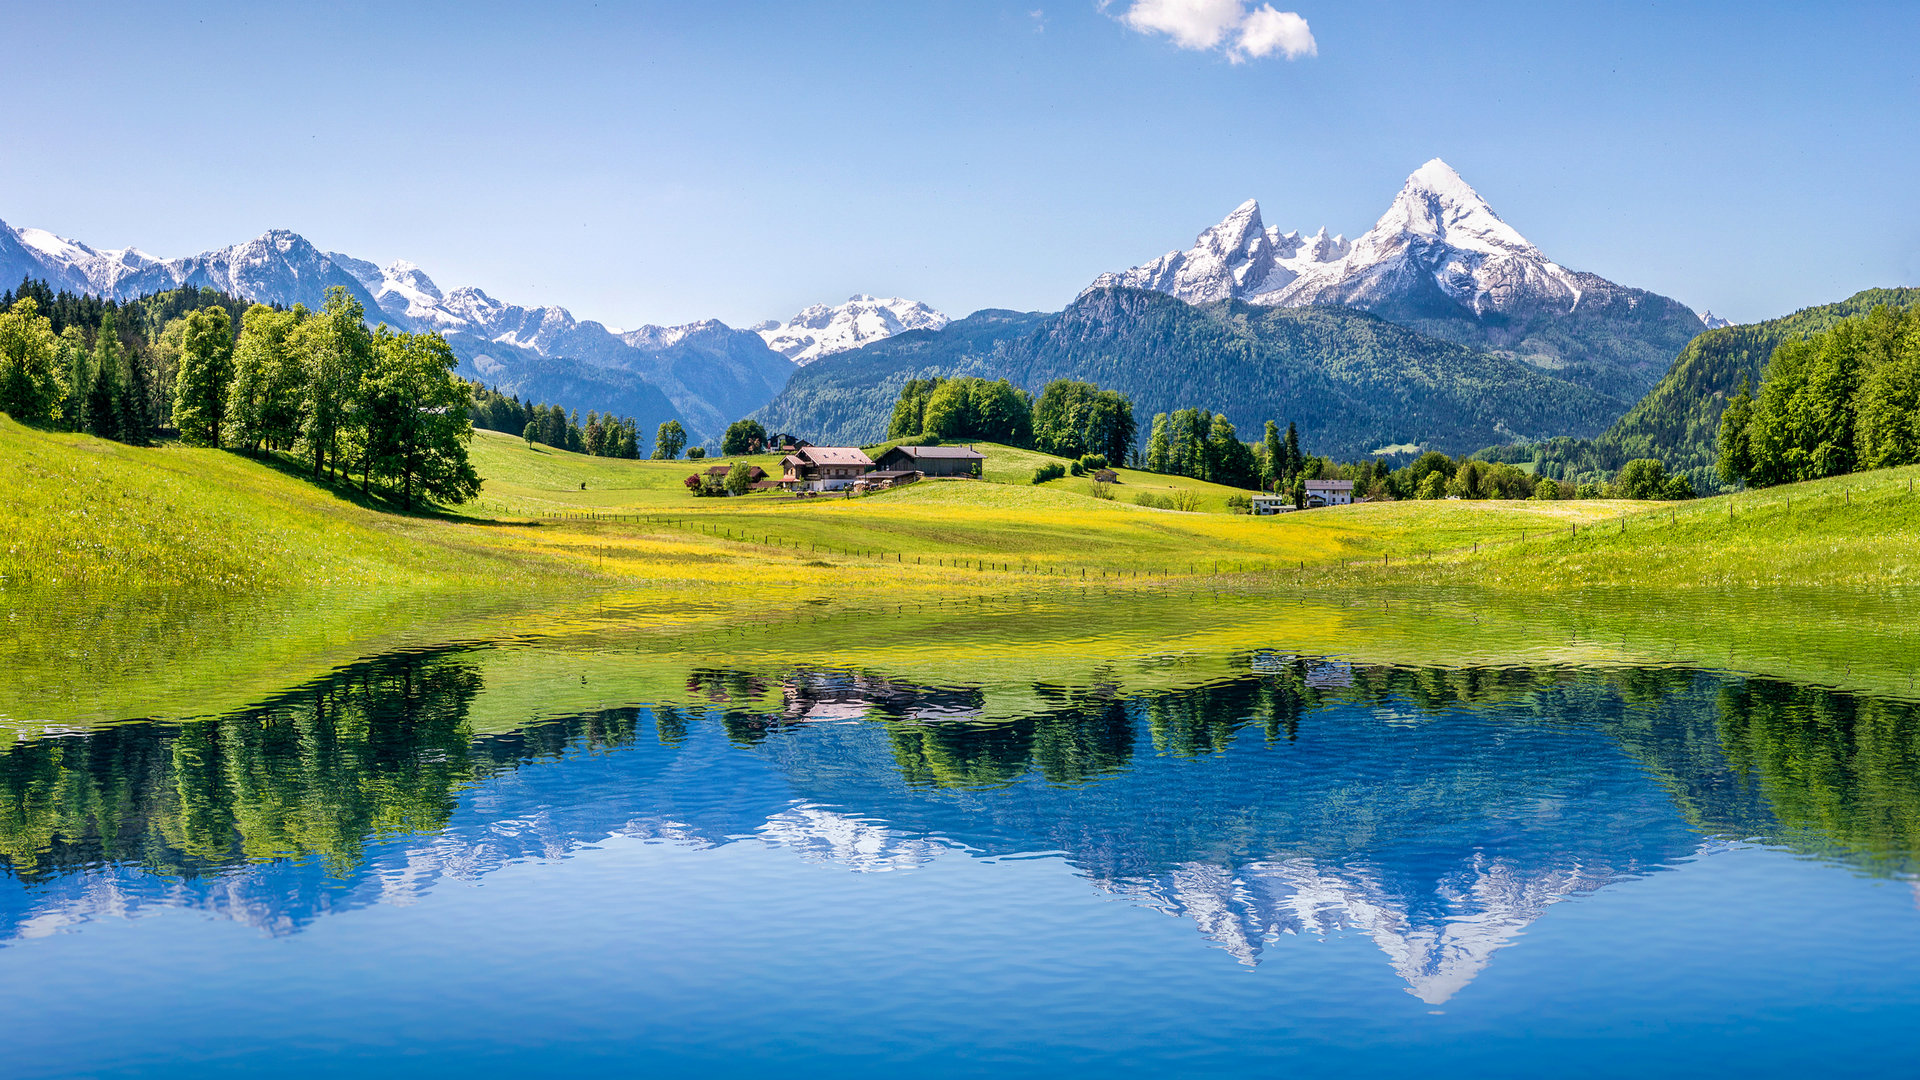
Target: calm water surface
(1299, 864)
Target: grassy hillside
(1351, 381)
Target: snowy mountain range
(1442, 261)
(822, 330)
(706, 374)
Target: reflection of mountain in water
(1437, 812)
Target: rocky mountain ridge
(1441, 261)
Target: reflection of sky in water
(1327, 827)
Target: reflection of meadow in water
(1438, 812)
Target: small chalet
(824, 468)
(1106, 476)
(1329, 492)
(881, 479)
(934, 460)
(754, 472)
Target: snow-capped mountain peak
(1436, 202)
(1438, 235)
(1714, 322)
(822, 330)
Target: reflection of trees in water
(383, 749)
(1077, 736)
(377, 750)
(1836, 769)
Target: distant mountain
(1714, 322)
(1353, 382)
(1678, 421)
(705, 374)
(1442, 262)
(822, 330)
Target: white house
(1329, 492)
(1267, 502)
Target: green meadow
(176, 581)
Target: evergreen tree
(1276, 457)
(1160, 445)
(1292, 451)
(103, 416)
(595, 436)
(910, 409)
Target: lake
(597, 856)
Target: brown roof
(966, 453)
(1329, 485)
(891, 474)
(834, 455)
(754, 471)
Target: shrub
(1052, 470)
(1186, 500)
(1546, 490)
(1239, 504)
(696, 452)
(1093, 462)
(1100, 491)
(1076, 468)
(1152, 501)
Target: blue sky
(666, 162)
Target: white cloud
(1267, 31)
(1226, 25)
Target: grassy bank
(170, 580)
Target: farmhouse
(719, 472)
(1329, 492)
(934, 460)
(824, 468)
(1267, 502)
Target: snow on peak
(1714, 322)
(56, 247)
(1437, 229)
(1436, 203)
(822, 330)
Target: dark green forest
(1353, 382)
(601, 436)
(1679, 419)
(1838, 402)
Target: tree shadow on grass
(347, 489)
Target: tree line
(106, 368)
(600, 436)
(379, 404)
(1834, 403)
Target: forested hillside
(1679, 419)
(1352, 382)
